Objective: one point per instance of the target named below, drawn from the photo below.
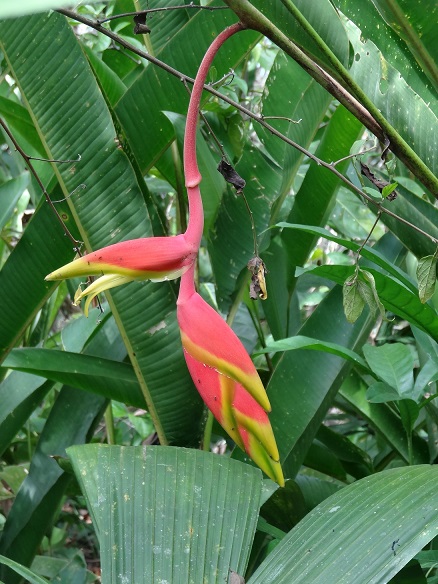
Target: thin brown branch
(163, 9)
(27, 160)
(256, 117)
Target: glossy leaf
(110, 379)
(300, 342)
(426, 274)
(393, 363)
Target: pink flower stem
(191, 170)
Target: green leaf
(19, 395)
(22, 286)
(368, 291)
(380, 393)
(328, 544)
(386, 191)
(426, 275)
(393, 363)
(323, 18)
(409, 412)
(111, 379)
(370, 253)
(23, 571)
(385, 422)
(374, 193)
(393, 295)
(353, 299)
(414, 24)
(10, 192)
(171, 514)
(413, 119)
(111, 208)
(301, 342)
(393, 48)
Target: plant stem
(357, 91)
(109, 424)
(27, 160)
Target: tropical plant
(323, 124)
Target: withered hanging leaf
(231, 176)
(257, 287)
(352, 299)
(140, 24)
(426, 275)
(369, 284)
(377, 182)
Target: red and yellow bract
(220, 367)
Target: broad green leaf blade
(413, 119)
(302, 342)
(23, 571)
(10, 192)
(111, 379)
(415, 25)
(19, 396)
(393, 363)
(380, 393)
(111, 208)
(321, 16)
(173, 515)
(368, 19)
(328, 544)
(426, 274)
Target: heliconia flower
(226, 378)
(148, 258)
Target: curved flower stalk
(220, 367)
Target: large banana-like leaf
(339, 542)
(394, 50)
(74, 118)
(417, 28)
(169, 515)
(322, 16)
